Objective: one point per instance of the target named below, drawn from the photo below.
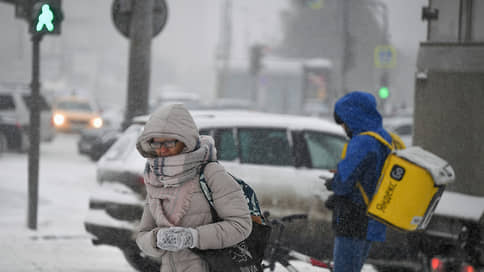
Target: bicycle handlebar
(288, 218)
(292, 217)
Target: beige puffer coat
(175, 121)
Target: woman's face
(165, 147)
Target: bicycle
(278, 253)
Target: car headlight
(97, 122)
(59, 119)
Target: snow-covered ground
(60, 242)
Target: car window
(265, 146)
(6, 102)
(225, 144)
(404, 130)
(204, 132)
(324, 149)
(43, 105)
(123, 146)
(73, 105)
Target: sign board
(121, 12)
(385, 56)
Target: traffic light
(383, 92)
(256, 53)
(46, 17)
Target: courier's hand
(328, 179)
(329, 184)
(176, 238)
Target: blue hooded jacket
(363, 162)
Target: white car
(280, 156)
(15, 118)
(402, 126)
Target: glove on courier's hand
(176, 238)
(329, 184)
(328, 179)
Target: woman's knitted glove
(176, 238)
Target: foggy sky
(92, 55)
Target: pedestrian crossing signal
(46, 17)
(384, 92)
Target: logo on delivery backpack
(397, 172)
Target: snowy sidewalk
(60, 242)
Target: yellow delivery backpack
(410, 186)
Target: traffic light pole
(33, 161)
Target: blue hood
(358, 111)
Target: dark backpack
(248, 254)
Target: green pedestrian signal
(384, 92)
(46, 17)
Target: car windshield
(74, 105)
(43, 105)
(124, 146)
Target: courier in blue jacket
(363, 161)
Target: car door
(317, 154)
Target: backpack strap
(378, 137)
(397, 141)
(363, 193)
(384, 142)
(207, 193)
(249, 194)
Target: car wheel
(3, 143)
(141, 263)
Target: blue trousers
(349, 254)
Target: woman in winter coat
(176, 215)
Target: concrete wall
(449, 110)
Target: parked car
(281, 156)
(15, 115)
(74, 113)
(95, 142)
(402, 126)
(454, 238)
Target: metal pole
(346, 47)
(224, 49)
(141, 32)
(33, 161)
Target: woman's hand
(176, 238)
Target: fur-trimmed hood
(171, 121)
